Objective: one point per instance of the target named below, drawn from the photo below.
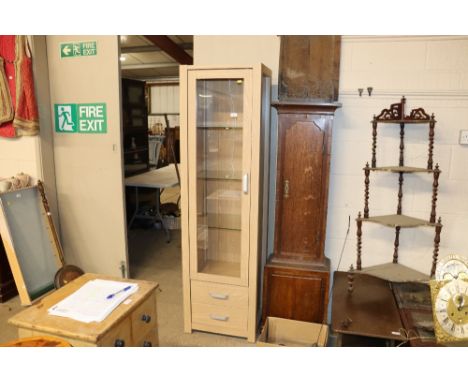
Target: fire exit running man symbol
(65, 119)
(88, 118)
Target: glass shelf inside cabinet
(222, 128)
(219, 173)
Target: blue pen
(112, 295)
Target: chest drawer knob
(147, 344)
(119, 343)
(146, 318)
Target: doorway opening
(150, 136)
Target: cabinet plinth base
(296, 291)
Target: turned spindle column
(435, 186)
(351, 279)
(438, 229)
(431, 142)
(400, 193)
(359, 243)
(402, 145)
(374, 142)
(397, 244)
(366, 190)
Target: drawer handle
(219, 296)
(147, 344)
(245, 183)
(218, 317)
(146, 318)
(119, 343)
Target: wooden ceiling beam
(171, 48)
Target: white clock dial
(452, 267)
(451, 308)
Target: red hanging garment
(16, 75)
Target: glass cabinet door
(219, 157)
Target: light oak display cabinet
(225, 118)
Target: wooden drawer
(219, 294)
(119, 335)
(150, 339)
(220, 319)
(144, 317)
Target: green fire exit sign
(84, 118)
(78, 49)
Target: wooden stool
(39, 341)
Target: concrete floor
(154, 259)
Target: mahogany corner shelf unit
(396, 115)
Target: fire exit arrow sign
(78, 49)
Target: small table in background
(164, 177)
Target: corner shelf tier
(395, 273)
(397, 220)
(400, 169)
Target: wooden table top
(370, 309)
(37, 318)
(164, 177)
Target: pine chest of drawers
(132, 323)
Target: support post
(438, 229)
(366, 190)
(397, 244)
(374, 142)
(359, 243)
(400, 193)
(431, 142)
(435, 186)
(402, 145)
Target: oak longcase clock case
(225, 115)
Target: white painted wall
(432, 72)
(19, 155)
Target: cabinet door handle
(286, 189)
(219, 296)
(218, 317)
(245, 183)
(146, 318)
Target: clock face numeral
(451, 308)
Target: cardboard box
(283, 332)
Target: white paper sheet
(93, 301)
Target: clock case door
(304, 148)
